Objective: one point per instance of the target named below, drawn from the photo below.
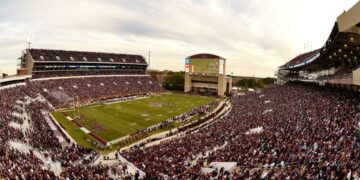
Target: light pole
(149, 57)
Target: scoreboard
(205, 74)
(204, 66)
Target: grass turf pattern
(112, 121)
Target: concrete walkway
(55, 167)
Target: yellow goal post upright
(77, 108)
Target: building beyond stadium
(205, 74)
(337, 62)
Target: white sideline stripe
(85, 130)
(131, 98)
(63, 130)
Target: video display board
(204, 66)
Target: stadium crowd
(41, 136)
(15, 106)
(38, 75)
(70, 91)
(308, 132)
(14, 163)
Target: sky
(254, 36)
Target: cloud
(255, 36)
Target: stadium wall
(187, 85)
(29, 62)
(344, 81)
(356, 77)
(221, 85)
(348, 20)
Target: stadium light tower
(29, 44)
(149, 58)
(30, 37)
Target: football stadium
(70, 114)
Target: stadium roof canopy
(342, 45)
(46, 55)
(205, 56)
(339, 46)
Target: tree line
(174, 81)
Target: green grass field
(112, 121)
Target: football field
(112, 121)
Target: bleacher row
(44, 55)
(302, 58)
(66, 73)
(340, 73)
(17, 164)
